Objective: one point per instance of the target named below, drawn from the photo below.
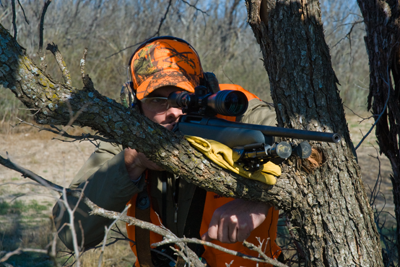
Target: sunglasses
(157, 104)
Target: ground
(25, 208)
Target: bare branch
(72, 225)
(123, 49)
(83, 63)
(83, 137)
(41, 27)
(107, 230)
(348, 35)
(52, 251)
(23, 11)
(265, 259)
(163, 19)
(29, 174)
(195, 7)
(53, 48)
(95, 211)
(19, 251)
(383, 109)
(14, 19)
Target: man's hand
(234, 221)
(136, 163)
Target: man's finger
(205, 237)
(243, 232)
(213, 228)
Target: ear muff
(127, 95)
(211, 81)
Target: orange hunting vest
(265, 233)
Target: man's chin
(168, 126)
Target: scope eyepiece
(227, 102)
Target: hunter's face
(170, 117)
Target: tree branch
(14, 18)
(23, 11)
(53, 48)
(128, 128)
(41, 25)
(163, 19)
(19, 251)
(169, 237)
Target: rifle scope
(226, 102)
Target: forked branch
(169, 237)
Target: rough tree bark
(382, 26)
(329, 207)
(327, 204)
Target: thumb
(206, 237)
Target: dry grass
(117, 254)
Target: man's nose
(174, 112)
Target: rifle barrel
(276, 131)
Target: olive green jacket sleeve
(258, 112)
(108, 186)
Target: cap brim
(166, 77)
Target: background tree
(382, 24)
(303, 87)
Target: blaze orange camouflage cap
(163, 62)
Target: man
(118, 176)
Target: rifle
(253, 144)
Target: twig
(96, 210)
(349, 33)
(106, 234)
(19, 251)
(163, 19)
(123, 49)
(29, 174)
(42, 54)
(72, 225)
(180, 253)
(41, 27)
(83, 63)
(195, 7)
(14, 19)
(83, 137)
(362, 119)
(228, 251)
(23, 11)
(142, 224)
(257, 248)
(380, 115)
(52, 251)
(378, 182)
(61, 63)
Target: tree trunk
(382, 24)
(330, 210)
(327, 202)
